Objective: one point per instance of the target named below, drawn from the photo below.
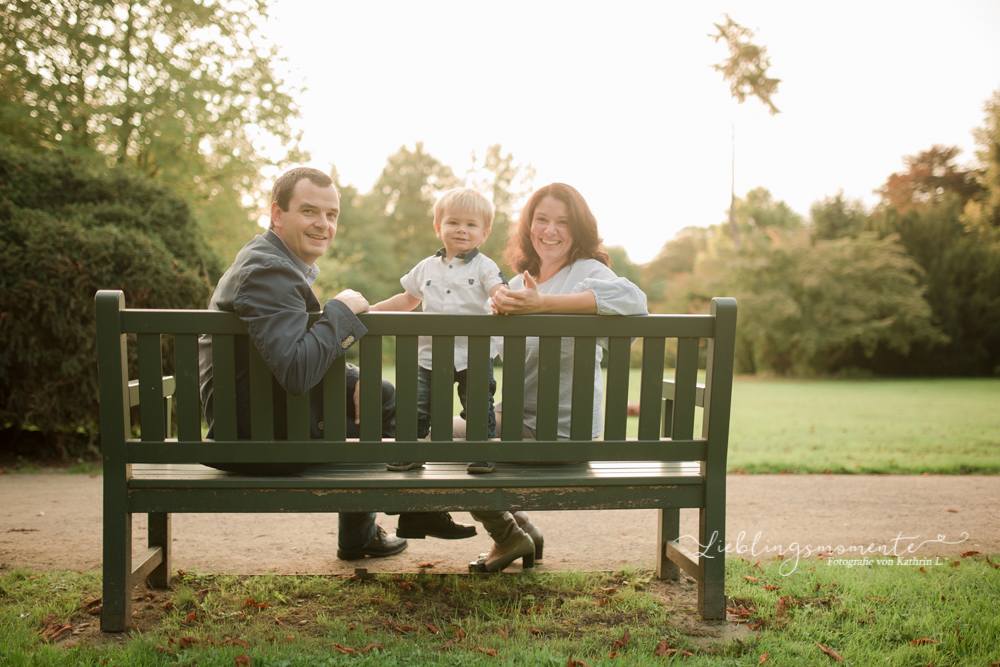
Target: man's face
(310, 223)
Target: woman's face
(550, 234)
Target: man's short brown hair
(285, 185)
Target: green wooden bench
(666, 467)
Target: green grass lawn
(949, 426)
(893, 613)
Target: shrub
(56, 255)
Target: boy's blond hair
(467, 199)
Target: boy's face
(460, 230)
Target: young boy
(457, 279)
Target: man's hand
(353, 299)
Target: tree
(181, 89)
(836, 217)
(983, 213)
(805, 305)
(746, 71)
(508, 183)
(931, 175)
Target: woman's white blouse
(614, 296)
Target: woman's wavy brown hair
(582, 227)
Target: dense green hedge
(64, 234)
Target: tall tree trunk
(733, 229)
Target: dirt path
(53, 521)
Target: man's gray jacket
(266, 286)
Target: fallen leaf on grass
(764, 658)
(251, 604)
(878, 599)
(626, 638)
(430, 563)
(163, 648)
(755, 626)
(377, 600)
(749, 578)
(576, 663)
(609, 591)
(971, 552)
(360, 573)
(534, 631)
(996, 566)
(504, 631)
(829, 651)
(662, 649)
(244, 660)
(232, 641)
(346, 650)
(434, 630)
(278, 621)
(924, 640)
(769, 587)
(955, 563)
(487, 651)
(923, 570)
(460, 634)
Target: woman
(563, 269)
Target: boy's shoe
(403, 467)
(480, 467)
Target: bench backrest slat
(478, 405)
(406, 387)
(334, 399)
(224, 385)
(151, 386)
(547, 401)
(261, 397)
(651, 387)
(370, 360)
(442, 386)
(616, 391)
(582, 408)
(187, 398)
(685, 381)
(298, 416)
(513, 385)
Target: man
(269, 286)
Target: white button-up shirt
(460, 286)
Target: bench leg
(712, 585)
(116, 607)
(668, 529)
(158, 535)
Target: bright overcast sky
(619, 99)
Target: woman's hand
(520, 302)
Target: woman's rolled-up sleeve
(615, 296)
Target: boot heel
(539, 540)
(527, 561)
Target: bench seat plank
(433, 475)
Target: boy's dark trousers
(424, 399)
